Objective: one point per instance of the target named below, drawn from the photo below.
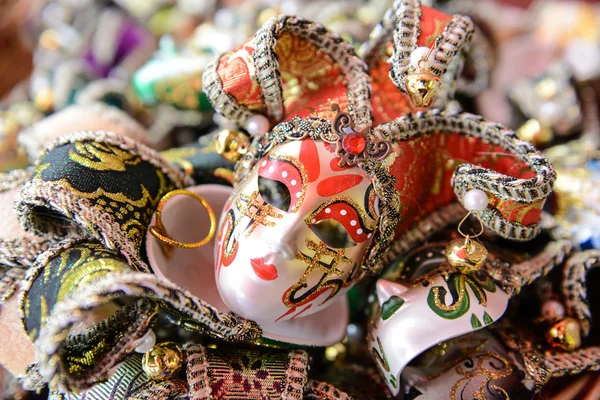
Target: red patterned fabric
(247, 373)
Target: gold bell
(565, 334)
(163, 360)
(232, 145)
(423, 86)
(466, 255)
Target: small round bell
(163, 361)
(466, 255)
(423, 86)
(232, 145)
(565, 334)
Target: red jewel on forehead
(346, 215)
(353, 143)
(285, 172)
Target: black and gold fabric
(103, 337)
(69, 271)
(98, 184)
(201, 161)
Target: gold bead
(546, 89)
(466, 255)
(163, 360)
(335, 352)
(565, 334)
(534, 132)
(44, 100)
(232, 145)
(423, 87)
(49, 40)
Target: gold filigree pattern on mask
(463, 280)
(316, 263)
(338, 257)
(300, 167)
(382, 362)
(478, 367)
(461, 302)
(257, 211)
(345, 199)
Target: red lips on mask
(264, 271)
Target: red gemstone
(353, 143)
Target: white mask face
(293, 234)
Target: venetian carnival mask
(297, 228)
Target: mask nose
(284, 249)
(285, 246)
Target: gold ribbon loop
(159, 232)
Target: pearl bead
(224, 18)
(258, 125)
(551, 112)
(553, 310)
(581, 49)
(475, 200)
(418, 54)
(146, 343)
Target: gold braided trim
(574, 288)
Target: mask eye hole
(347, 219)
(275, 193)
(332, 233)
(282, 182)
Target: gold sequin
(257, 211)
(338, 257)
(300, 167)
(480, 370)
